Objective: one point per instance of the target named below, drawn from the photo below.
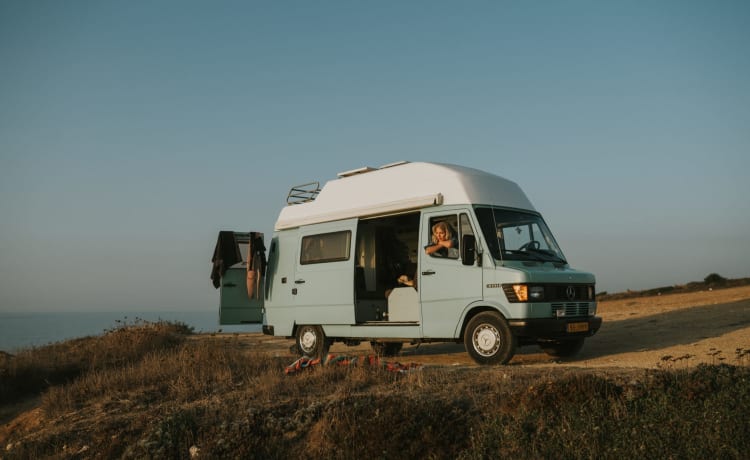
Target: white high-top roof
(402, 186)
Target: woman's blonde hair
(445, 228)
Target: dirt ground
(677, 330)
(671, 331)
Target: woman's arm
(438, 246)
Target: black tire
(562, 348)
(386, 348)
(312, 341)
(488, 339)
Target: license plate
(578, 327)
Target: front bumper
(554, 328)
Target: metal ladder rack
(303, 193)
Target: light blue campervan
(331, 271)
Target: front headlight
(523, 293)
(536, 293)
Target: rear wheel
(386, 348)
(312, 341)
(562, 348)
(488, 339)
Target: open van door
(239, 265)
(449, 280)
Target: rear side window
(325, 247)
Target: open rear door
(239, 264)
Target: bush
(714, 278)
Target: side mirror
(468, 250)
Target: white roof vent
(354, 172)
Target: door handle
(428, 272)
(299, 281)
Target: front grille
(573, 308)
(558, 292)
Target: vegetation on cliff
(153, 391)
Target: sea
(27, 330)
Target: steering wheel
(533, 245)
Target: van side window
(443, 238)
(325, 247)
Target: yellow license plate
(578, 327)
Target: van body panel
(407, 186)
(371, 331)
(484, 304)
(323, 291)
(236, 307)
(559, 275)
(233, 267)
(279, 308)
(281, 319)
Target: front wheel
(312, 342)
(562, 348)
(488, 339)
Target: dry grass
(34, 369)
(160, 395)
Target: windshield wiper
(540, 255)
(549, 255)
(528, 255)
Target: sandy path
(707, 327)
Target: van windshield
(518, 235)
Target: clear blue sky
(131, 132)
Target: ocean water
(24, 330)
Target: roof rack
(308, 192)
(303, 193)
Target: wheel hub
(308, 339)
(486, 340)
